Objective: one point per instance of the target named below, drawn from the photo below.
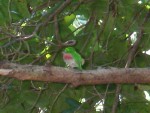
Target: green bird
(72, 58)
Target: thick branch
(76, 78)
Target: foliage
(37, 31)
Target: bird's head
(67, 53)
(69, 50)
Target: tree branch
(74, 77)
(131, 55)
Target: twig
(9, 9)
(44, 5)
(57, 31)
(137, 42)
(137, 14)
(23, 37)
(56, 12)
(39, 95)
(56, 98)
(100, 96)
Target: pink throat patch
(67, 56)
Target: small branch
(45, 5)
(137, 42)
(23, 37)
(50, 17)
(58, 95)
(57, 11)
(69, 43)
(116, 99)
(37, 99)
(57, 30)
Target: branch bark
(74, 77)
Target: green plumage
(76, 56)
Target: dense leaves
(36, 32)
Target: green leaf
(22, 8)
(69, 19)
(72, 103)
(2, 19)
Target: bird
(72, 58)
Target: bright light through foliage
(99, 105)
(100, 22)
(48, 56)
(147, 96)
(139, 2)
(79, 21)
(147, 52)
(82, 100)
(148, 7)
(133, 37)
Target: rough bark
(75, 77)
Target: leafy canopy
(37, 31)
